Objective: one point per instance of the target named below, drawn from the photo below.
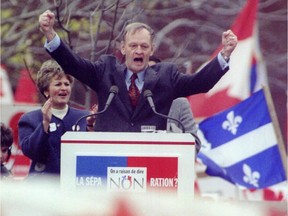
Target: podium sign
(128, 162)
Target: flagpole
(276, 127)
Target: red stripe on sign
(125, 142)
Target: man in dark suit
(163, 80)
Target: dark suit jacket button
(132, 124)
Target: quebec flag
(240, 145)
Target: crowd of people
(40, 130)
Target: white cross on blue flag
(240, 145)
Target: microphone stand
(173, 119)
(113, 91)
(148, 96)
(86, 116)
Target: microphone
(148, 95)
(112, 92)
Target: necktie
(134, 92)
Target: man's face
(4, 154)
(137, 49)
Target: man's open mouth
(138, 60)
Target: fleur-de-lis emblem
(232, 122)
(250, 177)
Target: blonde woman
(40, 131)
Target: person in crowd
(40, 130)
(6, 147)
(130, 109)
(180, 110)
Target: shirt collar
(139, 74)
(60, 113)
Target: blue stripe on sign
(97, 165)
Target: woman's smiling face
(59, 91)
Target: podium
(128, 162)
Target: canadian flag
(247, 70)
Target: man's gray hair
(136, 26)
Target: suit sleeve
(200, 82)
(187, 117)
(87, 72)
(32, 138)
